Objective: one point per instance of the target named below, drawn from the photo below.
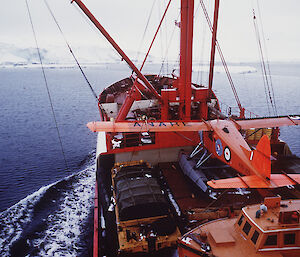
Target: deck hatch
(222, 236)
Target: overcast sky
(126, 22)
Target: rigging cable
(46, 84)
(223, 59)
(267, 59)
(145, 30)
(263, 68)
(264, 65)
(202, 51)
(152, 42)
(161, 34)
(166, 35)
(158, 28)
(72, 53)
(169, 44)
(92, 26)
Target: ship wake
(56, 220)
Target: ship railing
(234, 111)
(252, 135)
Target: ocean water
(46, 209)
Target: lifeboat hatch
(222, 237)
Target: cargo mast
(186, 54)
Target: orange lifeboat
(269, 229)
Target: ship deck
(183, 190)
(193, 203)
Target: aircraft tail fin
(261, 157)
(261, 160)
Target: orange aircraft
(227, 144)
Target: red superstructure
(166, 122)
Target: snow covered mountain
(60, 56)
(11, 55)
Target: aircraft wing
(166, 126)
(239, 182)
(269, 122)
(276, 180)
(285, 179)
(141, 126)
